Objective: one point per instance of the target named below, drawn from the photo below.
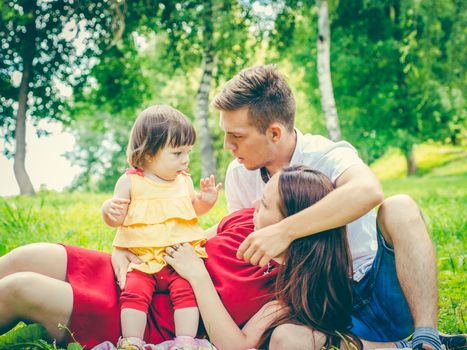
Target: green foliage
(392, 68)
(432, 159)
(40, 38)
(31, 337)
(165, 68)
(25, 337)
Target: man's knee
(400, 205)
(295, 337)
(400, 215)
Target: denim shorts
(380, 311)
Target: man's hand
(121, 258)
(263, 245)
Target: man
(394, 261)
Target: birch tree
(208, 159)
(34, 44)
(216, 33)
(190, 44)
(202, 113)
(328, 102)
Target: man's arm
(357, 192)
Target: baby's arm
(207, 196)
(114, 210)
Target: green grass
(444, 202)
(72, 218)
(440, 188)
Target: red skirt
(96, 310)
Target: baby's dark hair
(155, 128)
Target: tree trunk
(324, 72)
(21, 175)
(208, 160)
(410, 160)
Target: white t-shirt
(243, 186)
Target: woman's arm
(121, 258)
(222, 330)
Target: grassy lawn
(440, 188)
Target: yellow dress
(159, 215)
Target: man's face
(247, 144)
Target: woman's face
(267, 210)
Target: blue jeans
(380, 311)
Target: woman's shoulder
(239, 218)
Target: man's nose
(228, 145)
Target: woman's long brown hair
(314, 286)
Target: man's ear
(276, 131)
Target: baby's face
(169, 162)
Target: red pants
(140, 287)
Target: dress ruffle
(153, 258)
(159, 215)
(159, 210)
(157, 235)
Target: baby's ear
(148, 158)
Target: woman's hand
(121, 258)
(185, 262)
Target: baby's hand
(115, 208)
(209, 190)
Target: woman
(53, 284)
(313, 285)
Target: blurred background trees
(397, 68)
